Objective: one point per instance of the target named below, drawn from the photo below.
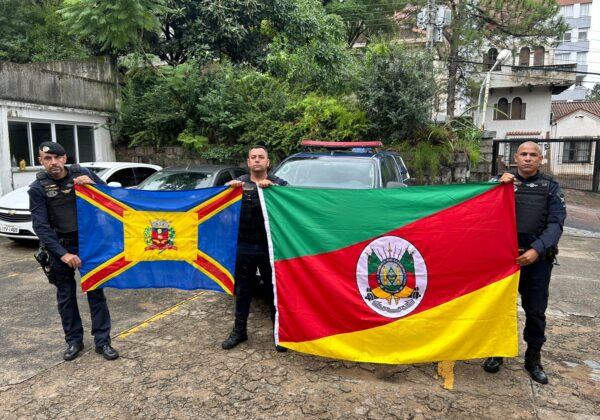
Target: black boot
(492, 364)
(534, 367)
(238, 335)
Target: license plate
(9, 229)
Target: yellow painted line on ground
(158, 316)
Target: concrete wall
(577, 124)
(85, 84)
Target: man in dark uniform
(54, 214)
(541, 213)
(252, 249)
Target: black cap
(53, 148)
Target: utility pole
(431, 11)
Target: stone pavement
(172, 366)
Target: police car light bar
(341, 144)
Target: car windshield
(170, 181)
(329, 172)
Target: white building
(68, 102)
(580, 44)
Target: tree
(498, 23)
(397, 91)
(365, 19)
(112, 24)
(31, 32)
(594, 94)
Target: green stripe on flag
(323, 220)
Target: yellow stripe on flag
(480, 324)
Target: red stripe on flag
(215, 271)
(100, 199)
(103, 273)
(229, 196)
(317, 296)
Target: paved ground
(172, 366)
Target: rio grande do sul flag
(395, 276)
(130, 239)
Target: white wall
(11, 179)
(538, 108)
(577, 124)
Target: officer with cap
(540, 210)
(54, 214)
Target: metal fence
(573, 162)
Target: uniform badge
(391, 276)
(52, 193)
(159, 236)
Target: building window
(582, 34)
(510, 111)
(501, 111)
(584, 9)
(562, 58)
(25, 137)
(581, 58)
(517, 109)
(524, 56)
(489, 59)
(566, 11)
(577, 152)
(538, 56)
(567, 37)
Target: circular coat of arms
(391, 276)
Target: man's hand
(507, 178)
(83, 179)
(528, 257)
(265, 183)
(71, 260)
(234, 183)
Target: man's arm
(557, 213)
(41, 225)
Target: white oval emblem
(391, 276)
(51, 193)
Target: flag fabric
(395, 276)
(130, 239)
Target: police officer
(54, 214)
(252, 249)
(541, 213)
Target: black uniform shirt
(39, 211)
(252, 223)
(557, 214)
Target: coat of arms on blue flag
(131, 239)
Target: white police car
(15, 217)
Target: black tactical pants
(249, 258)
(66, 296)
(533, 287)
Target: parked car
(15, 218)
(191, 177)
(349, 165)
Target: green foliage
(594, 94)
(158, 105)
(30, 31)
(223, 109)
(113, 24)
(396, 91)
(311, 52)
(366, 20)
